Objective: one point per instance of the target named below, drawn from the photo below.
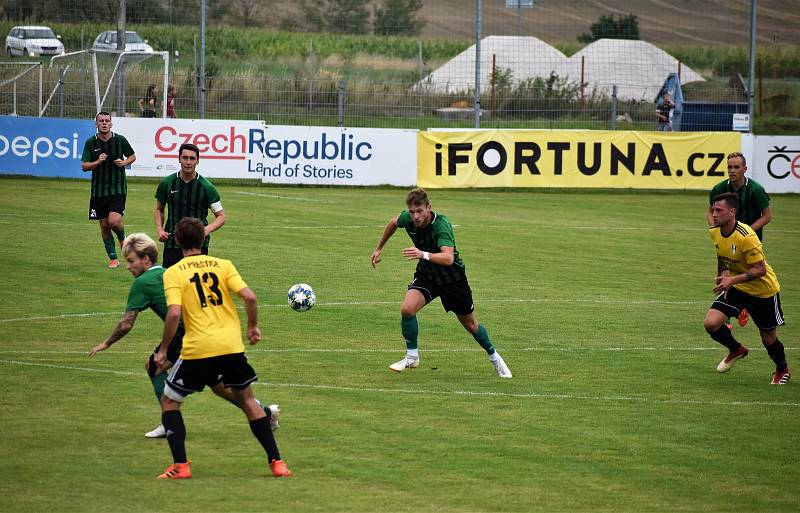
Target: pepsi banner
(43, 146)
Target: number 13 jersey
(203, 287)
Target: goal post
(121, 65)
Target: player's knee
(407, 311)
(713, 322)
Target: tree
(398, 17)
(337, 16)
(627, 27)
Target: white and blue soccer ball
(301, 297)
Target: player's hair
(190, 147)
(417, 196)
(141, 244)
(102, 113)
(730, 198)
(190, 233)
(735, 154)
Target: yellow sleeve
(235, 282)
(172, 287)
(752, 249)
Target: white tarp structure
(637, 68)
(527, 57)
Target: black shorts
(189, 376)
(765, 311)
(172, 256)
(456, 296)
(173, 352)
(100, 207)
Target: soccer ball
(301, 297)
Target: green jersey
(147, 291)
(107, 178)
(431, 239)
(182, 199)
(753, 200)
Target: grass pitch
(595, 300)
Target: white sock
(494, 356)
(412, 353)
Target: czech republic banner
(574, 158)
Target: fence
(533, 71)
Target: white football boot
(157, 432)
(405, 363)
(274, 415)
(501, 368)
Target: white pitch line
(462, 393)
(599, 301)
(344, 350)
(278, 196)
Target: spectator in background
(664, 113)
(171, 101)
(147, 105)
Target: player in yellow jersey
(199, 287)
(744, 280)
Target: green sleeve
(211, 192)
(714, 192)
(161, 192)
(404, 219)
(762, 200)
(127, 150)
(444, 233)
(138, 298)
(87, 151)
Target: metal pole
(62, 73)
(519, 17)
(614, 107)
(121, 48)
(40, 89)
(96, 81)
(14, 95)
(165, 56)
(476, 110)
(751, 87)
(421, 72)
(341, 102)
(202, 76)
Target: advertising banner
(43, 146)
(776, 163)
(574, 158)
(228, 149)
(339, 156)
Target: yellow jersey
(202, 286)
(740, 249)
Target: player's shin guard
(120, 234)
(176, 434)
(725, 337)
(778, 355)
(482, 337)
(263, 433)
(410, 328)
(111, 249)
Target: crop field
(594, 299)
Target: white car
(33, 41)
(133, 42)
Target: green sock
(111, 249)
(158, 384)
(410, 328)
(482, 337)
(120, 234)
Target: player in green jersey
(106, 154)
(440, 273)
(744, 280)
(753, 208)
(186, 194)
(147, 291)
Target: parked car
(133, 42)
(33, 41)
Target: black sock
(176, 434)
(725, 337)
(776, 352)
(263, 434)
